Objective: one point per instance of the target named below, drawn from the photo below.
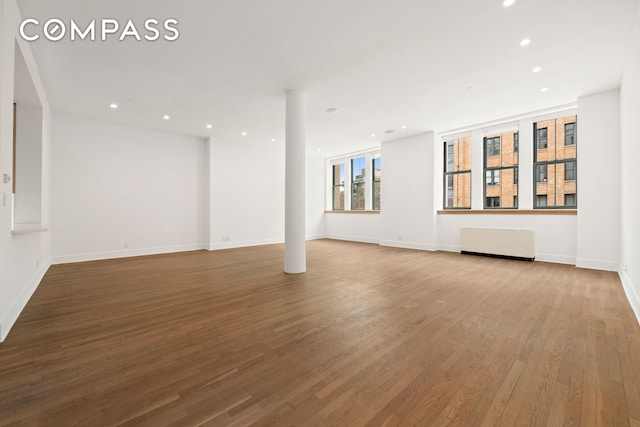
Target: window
(493, 202)
(457, 174)
(493, 177)
(516, 142)
(338, 186)
(569, 134)
(541, 138)
(570, 171)
(353, 182)
(357, 183)
(492, 146)
(375, 167)
(555, 168)
(500, 171)
(541, 173)
(570, 200)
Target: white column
(295, 259)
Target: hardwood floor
(370, 336)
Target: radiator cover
(514, 244)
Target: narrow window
(541, 138)
(541, 173)
(338, 186)
(375, 205)
(357, 183)
(457, 174)
(569, 134)
(570, 170)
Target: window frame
(574, 134)
(334, 185)
(373, 183)
(537, 139)
(451, 174)
(554, 162)
(347, 161)
(492, 171)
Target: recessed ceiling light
(273, 140)
(332, 110)
(507, 3)
(243, 134)
(113, 106)
(544, 89)
(536, 69)
(166, 117)
(373, 135)
(525, 42)
(209, 126)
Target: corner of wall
(20, 302)
(629, 289)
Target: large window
(357, 183)
(555, 164)
(338, 186)
(354, 182)
(375, 200)
(457, 174)
(542, 138)
(501, 171)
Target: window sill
(353, 212)
(509, 212)
(28, 228)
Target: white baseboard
(409, 245)
(95, 256)
(449, 248)
(359, 239)
(630, 290)
(556, 259)
(316, 236)
(597, 264)
(244, 244)
(9, 318)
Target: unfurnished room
(338, 213)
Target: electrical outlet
(126, 245)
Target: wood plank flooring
(369, 336)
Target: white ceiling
(429, 65)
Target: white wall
(122, 191)
(630, 174)
(598, 181)
(247, 193)
(24, 258)
(28, 180)
(358, 227)
(316, 189)
(407, 197)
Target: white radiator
(505, 243)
